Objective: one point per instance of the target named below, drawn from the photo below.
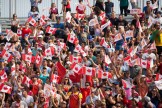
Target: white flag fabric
(135, 11)
(159, 84)
(68, 17)
(129, 34)
(155, 5)
(105, 25)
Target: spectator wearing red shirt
(26, 31)
(85, 91)
(80, 9)
(53, 12)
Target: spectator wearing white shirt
(159, 18)
(18, 103)
(28, 99)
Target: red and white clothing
(80, 8)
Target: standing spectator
(66, 7)
(124, 7)
(147, 9)
(53, 12)
(2, 39)
(81, 8)
(14, 23)
(157, 36)
(109, 8)
(74, 96)
(33, 13)
(133, 3)
(34, 3)
(121, 22)
(18, 103)
(100, 4)
(28, 99)
(155, 9)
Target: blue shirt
(43, 78)
(60, 25)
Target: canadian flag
(23, 68)
(71, 38)
(42, 20)
(89, 71)
(19, 32)
(79, 16)
(17, 54)
(103, 43)
(129, 34)
(3, 76)
(143, 43)
(7, 46)
(77, 68)
(49, 51)
(117, 37)
(73, 59)
(27, 81)
(28, 58)
(75, 77)
(144, 63)
(83, 53)
(5, 89)
(127, 59)
(77, 48)
(54, 78)
(68, 17)
(105, 25)
(104, 75)
(102, 16)
(6, 56)
(51, 30)
(38, 60)
(10, 34)
(32, 21)
(61, 45)
(158, 77)
(133, 51)
(29, 51)
(107, 59)
(126, 84)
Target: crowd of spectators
(100, 60)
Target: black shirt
(121, 23)
(114, 21)
(3, 41)
(108, 7)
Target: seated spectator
(53, 12)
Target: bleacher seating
(6, 23)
